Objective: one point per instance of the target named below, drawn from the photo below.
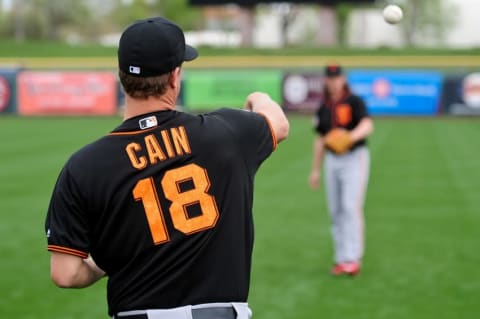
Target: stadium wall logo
(382, 88)
(471, 90)
(302, 92)
(5, 93)
(296, 89)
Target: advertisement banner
(461, 94)
(8, 90)
(393, 92)
(302, 92)
(67, 93)
(206, 90)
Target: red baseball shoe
(351, 269)
(338, 270)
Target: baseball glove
(338, 140)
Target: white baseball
(392, 14)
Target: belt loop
(188, 312)
(242, 310)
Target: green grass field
(37, 48)
(56, 55)
(422, 214)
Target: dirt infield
(257, 61)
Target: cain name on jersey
(171, 143)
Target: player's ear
(174, 78)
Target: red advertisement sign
(4, 93)
(67, 93)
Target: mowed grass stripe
(255, 61)
(412, 231)
(422, 224)
(33, 152)
(420, 201)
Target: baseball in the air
(392, 14)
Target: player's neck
(135, 107)
(336, 96)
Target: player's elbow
(63, 279)
(66, 270)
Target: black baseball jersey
(164, 205)
(346, 113)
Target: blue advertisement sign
(394, 92)
(8, 90)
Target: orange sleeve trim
(272, 132)
(66, 250)
(132, 132)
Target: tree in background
(85, 20)
(343, 11)
(427, 19)
(18, 20)
(45, 19)
(332, 13)
(60, 14)
(186, 16)
(125, 12)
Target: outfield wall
(390, 92)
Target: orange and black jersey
(346, 113)
(164, 205)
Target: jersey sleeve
(360, 109)
(253, 132)
(319, 121)
(66, 223)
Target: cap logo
(134, 69)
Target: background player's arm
(362, 130)
(318, 152)
(69, 271)
(365, 125)
(262, 103)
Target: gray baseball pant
(346, 179)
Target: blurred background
(267, 23)
(420, 80)
(270, 46)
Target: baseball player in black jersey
(343, 124)
(162, 205)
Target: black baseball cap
(333, 70)
(152, 47)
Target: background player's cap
(333, 70)
(153, 47)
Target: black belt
(198, 313)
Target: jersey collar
(145, 121)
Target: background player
(163, 204)
(343, 124)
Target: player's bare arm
(69, 271)
(362, 130)
(318, 152)
(262, 103)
